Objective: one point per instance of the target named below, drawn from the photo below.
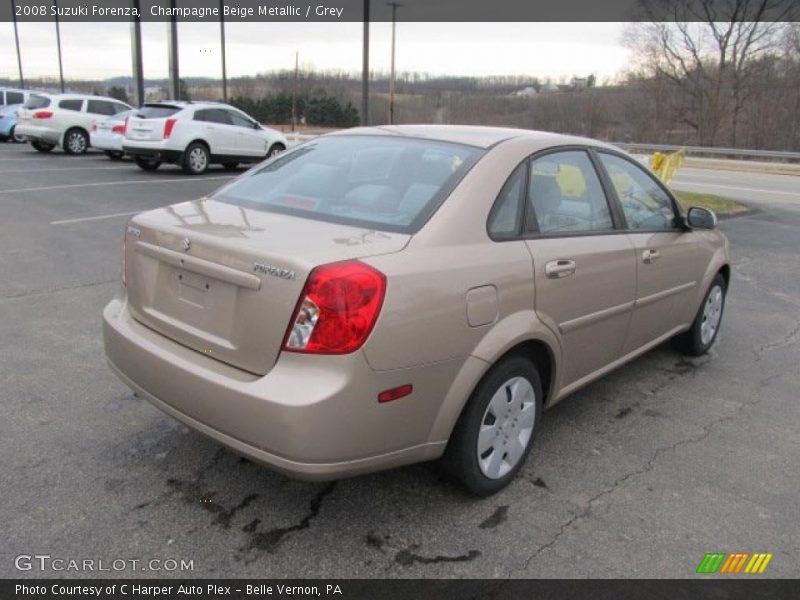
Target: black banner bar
(496, 11)
(402, 589)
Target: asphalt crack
(408, 558)
(269, 541)
(786, 340)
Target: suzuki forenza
(383, 296)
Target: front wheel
(76, 142)
(42, 147)
(699, 339)
(146, 164)
(19, 139)
(495, 432)
(196, 159)
(275, 149)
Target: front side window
(565, 195)
(336, 179)
(240, 120)
(645, 204)
(100, 107)
(71, 105)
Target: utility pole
(394, 6)
(365, 69)
(58, 43)
(136, 56)
(16, 39)
(294, 88)
(222, 45)
(172, 50)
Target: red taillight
(120, 129)
(337, 309)
(168, 126)
(43, 114)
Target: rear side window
(326, 179)
(2, 98)
(506, 214)
(101, 107)
(71, 104)
(213, 115)
(35, 102)
(15, 98)
(565, 195)
(156, 111)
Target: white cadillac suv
(197, 134)
(50, 120)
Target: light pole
(365, 69)
(222, 45)
(172, 51)
(58, 44)
(394, 6)
(16, 39)
(136, 56)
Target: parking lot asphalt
(638, 475)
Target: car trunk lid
(225, 280)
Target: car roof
(474, 135)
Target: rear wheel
(276, 149)
(196, 159)
(699, 339)
(495, 432)
(113, 155)
(146, 163)
(76, 141)
(19, 139)
(42, 146)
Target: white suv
(197, 134)
(50, 120)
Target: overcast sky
(100, 50)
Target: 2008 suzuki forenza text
(383, 296)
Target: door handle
(556, 269)
(650, 256)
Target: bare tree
(709, 50)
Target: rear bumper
(310, 417)
(37, 133)
(109, 142)
(154, 150)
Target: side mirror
(701, 218)
(256, 125)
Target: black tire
(230, 166)
(695, 341)
(12, 136)
(461, 459)
(196, 159)
(76, 141)
(42, 147)
(275, 149)
(146, 163)
(114, 155)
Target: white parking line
(684, 183)
(67, 169)
(97, 218)
(131, 182)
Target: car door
(670, 261)
(218, 130)
(250, 141)
(584, 265)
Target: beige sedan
(389, 295)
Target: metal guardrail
(714, 152)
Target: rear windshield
(156, 111)
(387, 183)
(35, 101)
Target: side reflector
(395, 393)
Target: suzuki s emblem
(187, 244)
